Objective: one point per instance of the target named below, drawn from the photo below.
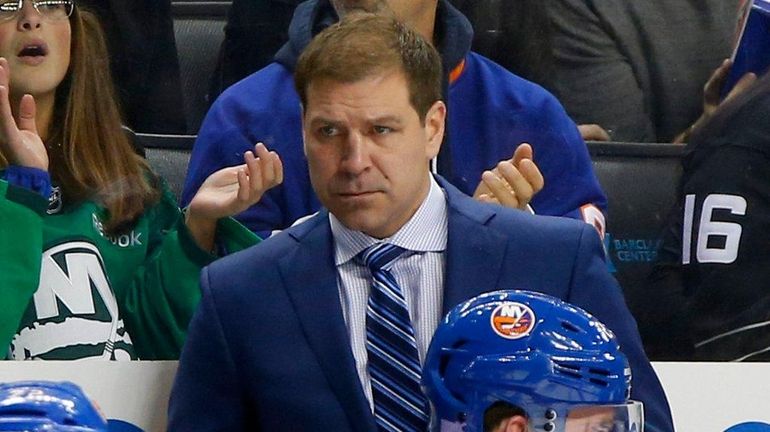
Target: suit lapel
(311, 282)
(474, 252)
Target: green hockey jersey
(70, 291)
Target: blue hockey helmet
(36, 406)
(556, 363)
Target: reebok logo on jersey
(124, 240)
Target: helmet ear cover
(526, 349)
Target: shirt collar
(425, 231)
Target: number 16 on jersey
(716, 241)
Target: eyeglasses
(51, 10)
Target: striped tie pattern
(393, 363)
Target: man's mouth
(355, 194)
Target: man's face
(591, 419)
(368, 152)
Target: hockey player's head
(48, 406)
(518, 360)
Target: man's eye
(328, 131)
(382, 130)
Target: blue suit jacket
(268, 348)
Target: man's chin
(357, 221)
(364, 222)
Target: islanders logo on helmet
(512, 320)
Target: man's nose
(356, 158)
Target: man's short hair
(363, 45)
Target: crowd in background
(622, 70)
(610, 65)
(103, 263)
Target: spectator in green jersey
(96, 259)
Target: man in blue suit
(296, 334)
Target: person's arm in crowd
(596, 291)
(165, 292)
(591, 75)
(24, 189)
(230, 191)
(223, 139)
(711, 96)
(593, 132)
(21, 248)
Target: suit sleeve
(206, 393)
(19, 266)
(592, 77)
(596, 291)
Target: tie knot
(380, 256)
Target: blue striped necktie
(393, 363)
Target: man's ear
(435, 121)
(516, 423)
(302, 127)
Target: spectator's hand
(593, 132)
(230, 191)
(713, 87)
(711, 93)
(512, 183)
(19, 141)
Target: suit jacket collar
(474, 251)
(474, 259)
(311, 282)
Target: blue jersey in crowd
(490, 112)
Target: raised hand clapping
(20, 141)
(232, 190)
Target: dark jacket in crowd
(713, 274)
(140, 38)
(637, 68)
